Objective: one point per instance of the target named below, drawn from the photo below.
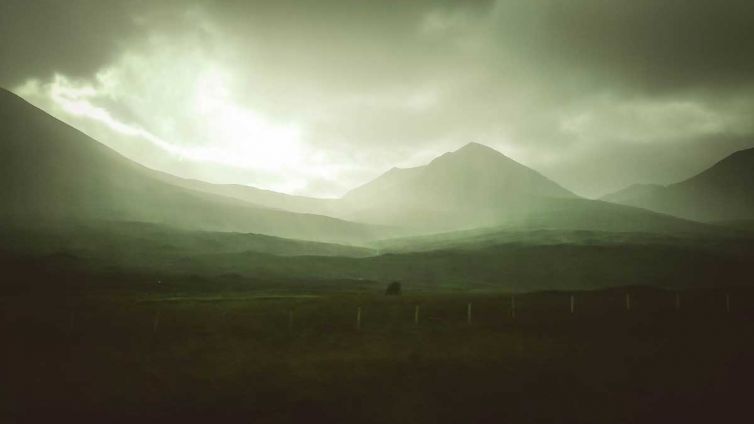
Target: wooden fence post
(513, 306)
(416, 315)
(573, 303)
(468, 313)
(156, 321)
(628, 301)
(677, 301)
(358, 318)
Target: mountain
(52, 174)
(630, 192)
(479, 187)
(266, 198)
(476, 177)
(473, 186)
(724, 192)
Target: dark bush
(393, 289)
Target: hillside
(724, 192)
(630, 192)
(52, 173)
(472, 186)
(138, 246)
(520, 262)
(479, 187)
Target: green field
(262, 357)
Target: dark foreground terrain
(265, 358)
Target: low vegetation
(270, 357)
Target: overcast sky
(316, 97)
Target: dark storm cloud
(655, 44)
(659, 44)
(583, 90)
(39, 37)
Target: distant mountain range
(54, 173)
(724, 192)
(472, 217)
(473, 187)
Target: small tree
(393, 289)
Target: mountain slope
(477, 187)
(595, 261)
(630, 192)
(724, 192)
(472, 186)
(141, 243)
(52, 173)
(260, 197)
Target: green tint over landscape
(132, 294)
(388, 211)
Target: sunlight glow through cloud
(191, 115)
(313, 104)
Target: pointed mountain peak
(473, 153)
(474, 145)
(477, 148)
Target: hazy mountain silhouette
(266, 198)
(477, 186)
(630, 192)
(50, 173)
(724, 192)
(66, 197)
(473, 185)
(53, 174)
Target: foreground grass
(280, 358)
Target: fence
(249, 316)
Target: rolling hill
(476, 219)
(724, 192)
(52, 174)
(526, 261)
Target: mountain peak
(474, 154)
(477, 148)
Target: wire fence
(254, 316)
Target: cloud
(318, 97)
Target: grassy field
(266, 357)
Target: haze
(318, 98)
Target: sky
(318, 97)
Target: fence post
(628, 301)
(677, 301)
(416, 315)
(573, 303)
(358, 318)
(513, 306)
(156, 321)
(468, 313)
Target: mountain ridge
(51, 172)
(722, 192)
(475, 181)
